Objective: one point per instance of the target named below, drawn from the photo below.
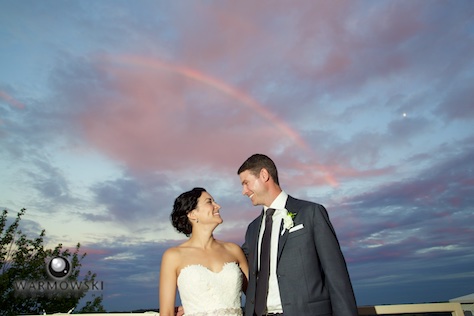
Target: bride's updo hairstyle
(184, 204)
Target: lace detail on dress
(219, 312)
(207, 293)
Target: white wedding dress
(205, 293)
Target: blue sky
(111, 109)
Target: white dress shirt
(273, 299)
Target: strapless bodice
(205, 293)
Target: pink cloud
(10, 100)
(167, 117)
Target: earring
(197, 220)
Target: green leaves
(24, 258)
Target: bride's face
(207, 209)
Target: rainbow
(226, 89)
(10, 100)
(219, 85)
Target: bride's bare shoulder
(176, 251)
(230, 246)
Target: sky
(110, 109)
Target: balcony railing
(453, 309)
(412, 309)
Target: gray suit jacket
(311, 270)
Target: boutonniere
(288, 220)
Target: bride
(210, 274)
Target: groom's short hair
(256, 163)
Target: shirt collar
(279, 203)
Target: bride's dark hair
(185, 203)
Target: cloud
(153, 117)
(10, 100)
(458, 105)
(130, 274)
(404, 223)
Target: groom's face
(252, 186)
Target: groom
(307, 271)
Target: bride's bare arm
(168, 282)
(242, 260)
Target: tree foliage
(22, 258)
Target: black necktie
(264, 272)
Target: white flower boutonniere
(288, 220)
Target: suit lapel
(290, 207)
(257, 234)
(281, 242)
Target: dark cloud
(132, 199)
(415, 229)
(458, 104)
(130, 273)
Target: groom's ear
(264, 175)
